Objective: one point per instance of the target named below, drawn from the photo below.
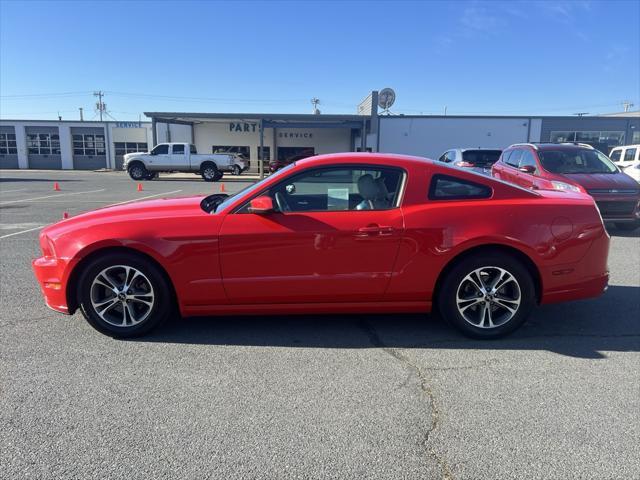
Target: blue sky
(473, 57)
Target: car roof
(363, 157)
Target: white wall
(323, 140)
(179, 133)
(430, 137)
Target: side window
(615, 155)
(527, 159)
(445, 187)
(630, 154)
(443, 157)
(178, 149)
(192, 150)
(160, 150)
(451, 156)
(339, 188)
(514, 158)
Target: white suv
(627, 158)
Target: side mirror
(261, 205)
(527, 169)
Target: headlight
(565, 186)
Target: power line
(62, 94)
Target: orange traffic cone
(222, 189)
(56, 187)
(139, 187)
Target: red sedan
(335, 233)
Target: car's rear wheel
(627, 227)
(124, 295)
(137, 171)
(237, 170)
(487, 296)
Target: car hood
(591, 181)
(147, 210)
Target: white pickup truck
(182, 157)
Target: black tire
(474, 304)
(237, 170)
(137, 171)
(151, 175)
(627, 227)
(151, 317)
(210, 172)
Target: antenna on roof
(315, 102)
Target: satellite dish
(386, 97)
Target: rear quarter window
(445, 187)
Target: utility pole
(100, 106)
(627, 105)
(315, 102)
(81, 115)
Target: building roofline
(258, 116)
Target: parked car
(477, 159)
(627, 158)
(181, 157)
(342, 233)
(574, 167)
(275, 165)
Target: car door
(177, 158)
(511, 163)
(159, 157)
(334, 239)
(528, 179)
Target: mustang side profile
(341, 233)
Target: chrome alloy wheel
(209, 173)
(488, 297)
(122, 296)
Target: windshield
(481, 158)
(250, 189)
(576, 160)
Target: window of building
(8, 144)
(601, 140)
(266, 154)
(88, 144)
(630, 154)
(291, 154)
(122, 148)
(43, 143)
(635, 138)
(245, 151)
(340, 188)
(178, 149)
(444, 187)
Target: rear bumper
(590, 288)
(50, 273)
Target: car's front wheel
(487, 296)
(137, 171)
(124, 295)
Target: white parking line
(23, 231)
(143, 198)
(11, 191)
(50, 196)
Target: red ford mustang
(334, 233)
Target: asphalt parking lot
(387, 396)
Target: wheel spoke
(106, 282)
(146, 299)
(464, 303)
(504, 303)
(106, 306)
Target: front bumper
(50, 273)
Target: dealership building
(82, 145)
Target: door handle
(370, 230)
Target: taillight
(464, 164)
